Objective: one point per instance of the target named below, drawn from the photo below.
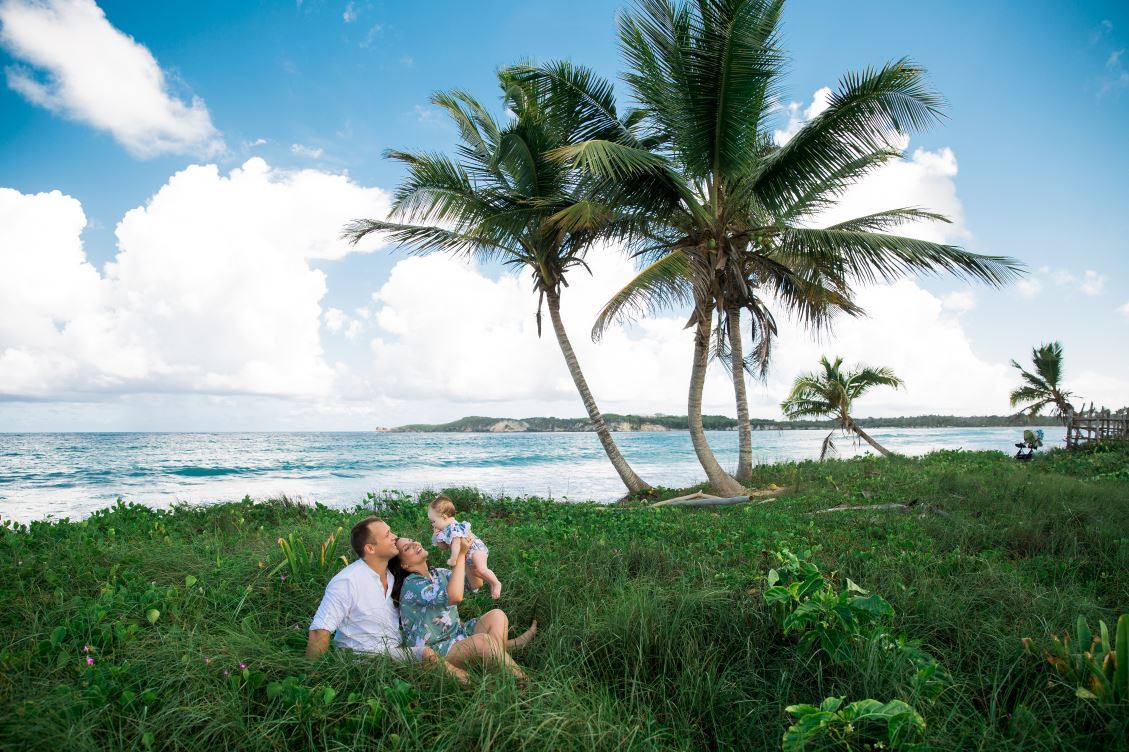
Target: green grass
(654, 634)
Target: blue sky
(1038, 98)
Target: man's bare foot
(496, 590)
(523, 639)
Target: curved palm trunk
(744, 430)
(633, 482)
(866, 437)
(722, 482)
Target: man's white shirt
(361, 613)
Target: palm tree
(1043, 387)
(502, 200)
(831, 394)
(722, 219)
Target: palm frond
(576, 101)
(869, 257)
(885, 220)
(1029, 394)
(666, 283)
(865, 115)
(610, 159)
(422, 240)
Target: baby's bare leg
(480, 567)
(473, 579)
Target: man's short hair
(443, 505)
(360, 535)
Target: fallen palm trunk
(700, 499)
(703, 501)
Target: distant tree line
(482, 424)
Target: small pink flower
(283, 577)
(242, 665)
(89, 661)
(86, 648)
(226, 672)
(207, 661)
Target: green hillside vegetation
(478, 423)
(661, 628)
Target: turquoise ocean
(56, 475)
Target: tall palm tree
(498, 201)
(723, 220)
(1043, 388)
(830, 395)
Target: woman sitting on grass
(428, 599)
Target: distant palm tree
(504, 200)
(830, 395)
(1044, 386)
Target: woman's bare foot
(523, 639)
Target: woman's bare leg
(430, 657)
(497, 624)
(522, 639)
(485, 649)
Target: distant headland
(660, 422)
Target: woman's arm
(458, 572)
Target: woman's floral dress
(425, 616)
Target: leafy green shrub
(861, 725)
(805, 603)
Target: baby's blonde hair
(443, 505)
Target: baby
(446, 528)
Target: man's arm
(332, 611)
(317, 643)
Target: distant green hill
(483, 424)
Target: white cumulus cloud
(450, 332)
(75, 63)
(959, 302)
(212, 290)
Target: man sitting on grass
(357, 604)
